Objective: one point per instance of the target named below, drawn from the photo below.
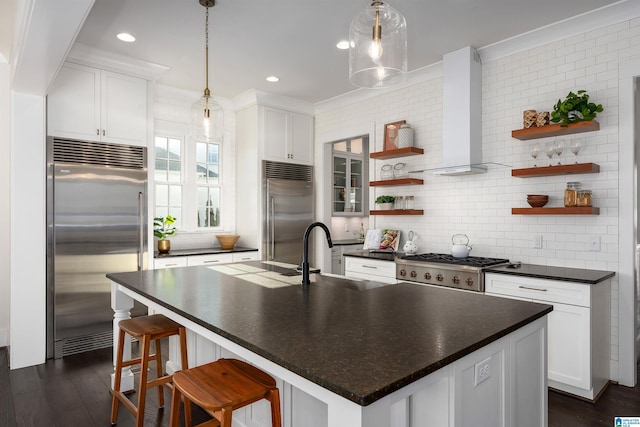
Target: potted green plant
(575, 108)
(385, 202)
(162, 228)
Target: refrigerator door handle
(272, 227)
(140, 230)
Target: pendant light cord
(207, 92)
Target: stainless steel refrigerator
(288, 206)
(96, 224)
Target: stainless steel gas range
(445, 270)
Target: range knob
(439, 277)
(456, 280)
(469, 281)
(427, 276)
(403, 272)
(413, 274)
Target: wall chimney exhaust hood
(462, 113)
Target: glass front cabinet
(350, 177)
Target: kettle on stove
(410, 246)
(461, 247)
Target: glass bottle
(571, 194)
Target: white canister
(405, 136)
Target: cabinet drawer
(370, 266)
(209, 259)
(244, 256)
(172, 262)
(553, 291)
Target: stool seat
(156, 326)
(147, 329)
(222, 386)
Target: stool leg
(274, 398)
(159, 373)
(174, 419)
(118, 378)
(182, 332)
(142, 390)
(225, 418)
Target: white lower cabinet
(578, 328)
(172, 262)
(370, 269)
(337, 257)
(244, 256)
(210, 259)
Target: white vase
(385, 206)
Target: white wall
(480, 205)
(5, 202)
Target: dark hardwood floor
(74, 391)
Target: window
(208, 184)
(187, 181)
(168, 177)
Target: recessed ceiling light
(126, 37)
(273, 79)
(343, 44)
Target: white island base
(501, 384)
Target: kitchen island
(356, 353)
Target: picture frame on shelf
(391, 135)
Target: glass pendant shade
(207, 120)
(377, 47)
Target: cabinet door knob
(98, 132)
(103, 132)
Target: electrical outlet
(482, 371)
(594, 243)
(346, 227)
(537, 241)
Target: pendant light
(377, 47)
(207, 115)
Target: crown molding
(608, 15)
(85, 55)
(258, 97)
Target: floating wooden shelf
(556, 211)
(399, 152)
(554, 130)
(398, 212)
(400, 181)
(556, 170)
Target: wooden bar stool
(220, 387)
(146, 329)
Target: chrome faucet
(305, 253)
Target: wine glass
(549, 150)
(534, 151)
(558, 148)
(575, 146)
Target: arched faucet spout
(305, 253)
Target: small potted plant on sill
(162, 228)
(385, 202)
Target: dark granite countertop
(201, 251)
(384, 256)
(362, 340)
(566, 274)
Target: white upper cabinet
(97, 105)
(288, 137)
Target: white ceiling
(296, 39)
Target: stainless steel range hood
(462, 114)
